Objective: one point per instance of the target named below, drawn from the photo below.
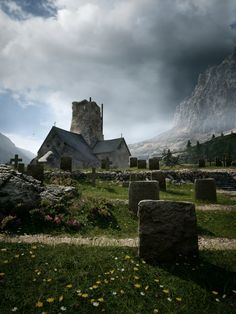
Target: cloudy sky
(138, 57)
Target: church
(84, 143)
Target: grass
(45, 279)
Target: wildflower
(6, 261)
(2, 274)
(234, 291)
(166, 290)
(50, 300)
(127, 257)
(14, 309)
(156, 280)
(112, 278)
(39, 304)
(155, 311)
(32, 256)
(116, 258)
(142, 293)
(96, 304)
(214, 292)
(34, 247)
(94, 286)
(136, 277)
(106, 281)
(137, 286)
(63, 308)
(17, 255)
(146, 288)
(224, 296)
(61, 298)
(69, 286)
(84, 295)
(114, 293)
(100, 299)
(135, 268)
(143, 262)
(44, 313)
(49, 280)
(98, 282)
(178, 299)
(217, 300)
(122, 269)
(169, 299)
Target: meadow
(40, 278)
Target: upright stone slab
(154, 163)
(142, 190)
(36, 171)
(142, 164)
(132, 177)
(160, 177)
(166, 230)
(21, 167)
(66, 163)
(205, 190)
(133, 162)
(201, 163)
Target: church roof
(75, 141)
(109, 146)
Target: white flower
(14, 309)
(169, 299)
(63, 308)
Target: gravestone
(66, 163)
(166, 230)
(228, 161)
(21, 167)
(142, 190)
(218, 162)
(154, 163)
(16, 160)
(93, 176)
(205, 190)
(105, 163)
(201, 163)
(160, 177)
(36, 171)
(142, 164)
(132, 177)
(133, 162)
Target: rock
(167, 229)
(142, 190)
(205, 190)
(57, 194)
(18, 191)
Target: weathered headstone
(133, 162)
(16, 160)
(229, 161)
(205, 190)
(36, 171)
(93, 177)
(105, 163)
(201, 163)
(166, 230)
(142, 164)
(142, 190)
(132, 177)
(218, 162)
(66, 163)
(160, 177)
(21, 167)
(154, 163)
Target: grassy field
(71, 279)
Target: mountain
(211, 109)
(8, 150)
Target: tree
(189, 144)
(168, 159)
(213, 136)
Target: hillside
(8, 149)
(209, 110)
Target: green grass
(107, 275)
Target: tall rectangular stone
(160, 177)
(36, 171)
(154, 163)
(166, 230)
(142, 164)
(205, 190)
(66, 163)
(142, 190)
(21, 167)
(133, 162)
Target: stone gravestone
(160, 177)
(201, 163)
(166, 230)
(154, 163)
(16, 160)
(218, 162)
(142, 164)
(205, 190)
(132, 177)
(36, 171)
(93, 177)
(66, 163)
(142, 190)
(133, 162)
(105, 163)
(21, 167)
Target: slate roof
(75, 141)
(109, 146)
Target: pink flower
(57, 220)
(48, 218)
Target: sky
(139, 58)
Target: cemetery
(163, 239)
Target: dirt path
(204, 243)
(216, 207)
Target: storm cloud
(139, 58)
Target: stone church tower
(87, 120)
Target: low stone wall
(223, 178)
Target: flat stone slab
(205, 190)
(167, 229)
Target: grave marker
(201, 163)
(160, 177)
(21, 167)
(133, 162)
(154, 163)
(166, 230)
(36, 171)
(66, 163)
(142, 190)
(142, 164)
(205, 190)
(16, 160)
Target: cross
(55, 123)
(15, 160)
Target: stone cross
(16, 161)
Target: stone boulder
(58, 194)
(18, 191)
